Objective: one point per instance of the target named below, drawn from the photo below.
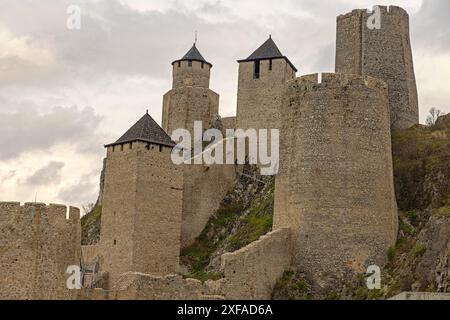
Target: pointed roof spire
(145, 130)
(268, 50)
(193, 55)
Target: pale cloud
(119, 63)
(28, 130)
(48, 175)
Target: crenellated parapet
(37, 244)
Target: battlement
(385, 10)
(317, 81)
(38, 242)
(52, 213)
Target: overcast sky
(65, 93)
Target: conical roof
(193, 55)
(145, 130)
(268, 50)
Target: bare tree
(88, 208)
(434, 115)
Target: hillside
(419, 262)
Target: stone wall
(382, 53)
(259, 100)
(252, 272)
(184, 105)
(335, 186)
(141, 216)
(229, 122)
(204, 189)
(196, 75)
(37, 244)
(422, 296)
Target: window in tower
(270, 64)
(257, 68)
(203, 65)
(190, 63)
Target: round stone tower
(190, 98)
(335, 186)
(381, 49)
(192, 70)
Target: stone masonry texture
(141, 216)
(335, 185)
(382, 53)
(37, 244)
(259, 100)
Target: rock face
(434, 266)
(420, 261)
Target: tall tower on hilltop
(335, 189)
(384, 53)
(142, 201)
(261, 80)
(190, 98)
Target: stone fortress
(335, 210)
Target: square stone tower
(142, 201)
(384, 53)
(262, 77)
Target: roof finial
(270, 36)
(147, 111)
(195, 41)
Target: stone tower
(335, 186)
(384, 53)
(261, 81)
(190, 98)
(142, 202)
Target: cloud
(27, 130)
(430, 27)
(82, 192)
(50, 174)
(120, 64)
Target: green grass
(233, 227)
(94, 215)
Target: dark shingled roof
(145, 130)
(193, 55)
(268, 50)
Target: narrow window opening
(115, 242)
(121, 147)
(190, 63)
(114, 148)
(257, 69)
(179, 64)
(160, 148)
(203, 65)
(131, 145)
(270, 64)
